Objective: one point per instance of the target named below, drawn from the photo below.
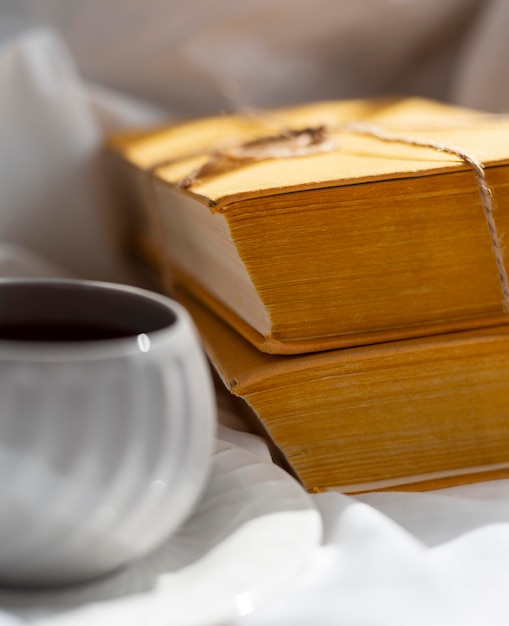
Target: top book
(331, 224)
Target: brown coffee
(62, 331)
(74, 311)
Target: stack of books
(341, 266)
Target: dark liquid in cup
(75, 311)
(62, 331)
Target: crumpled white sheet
(438, 558)
(199, 57)
(391, 559)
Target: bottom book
(420, 413)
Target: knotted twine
(320, 139)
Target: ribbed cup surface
(102, 454)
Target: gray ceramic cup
(107, 421)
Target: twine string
(320, 139)
(287, 143)
(485, 193)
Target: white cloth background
(387, 559)
(203, 55)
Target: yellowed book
(413, 414)
(347, 240)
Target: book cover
(416, 414)
(308, 233)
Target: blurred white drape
(203, 56)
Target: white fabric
(54, 197)
(208, 55)
(404, 559)
(395, 559)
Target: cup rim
(99, 348)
